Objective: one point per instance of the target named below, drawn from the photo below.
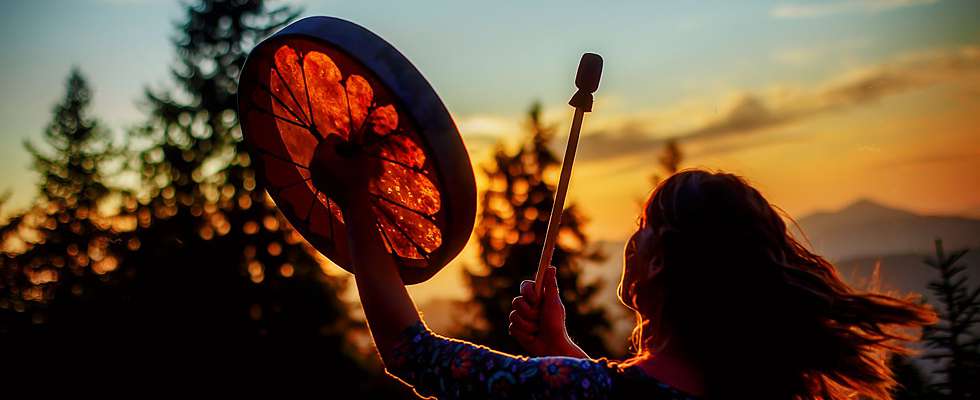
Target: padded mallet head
(587, 81)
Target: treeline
(186, 258)
(189, 261)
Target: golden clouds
(749, 112)
(823, 9)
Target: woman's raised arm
(447, 368)
(388, 308)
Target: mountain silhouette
(856, 238)
(869, 229)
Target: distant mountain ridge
(856, 238)
(868, 229)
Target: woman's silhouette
(728, 305)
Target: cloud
(748, 113)
(797, 56)
(481, 132)
(822, 9)
(605, 144)
(811, 55)
(477, 142)
(487, 125)
(752, 112)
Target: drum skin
(322, 76)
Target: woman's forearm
(388, 308)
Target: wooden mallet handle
(587, 82)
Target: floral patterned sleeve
(453, 369)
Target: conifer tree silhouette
(955, 340)
(511, 230)
(913, 384)
(68, 249)
(670, 160)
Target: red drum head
(324, 76)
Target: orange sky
(917, 148)
(818, 103)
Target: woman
(728, 305)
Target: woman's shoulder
(629, 379)
(455, 368)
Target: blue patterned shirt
(446, 368)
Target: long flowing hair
(760, 315)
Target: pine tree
(955, 341)
(511, 230)
(71, 178)
(214, 264)
(70, 251)
(670, 161)
(913, 384)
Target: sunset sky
(818, 103)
